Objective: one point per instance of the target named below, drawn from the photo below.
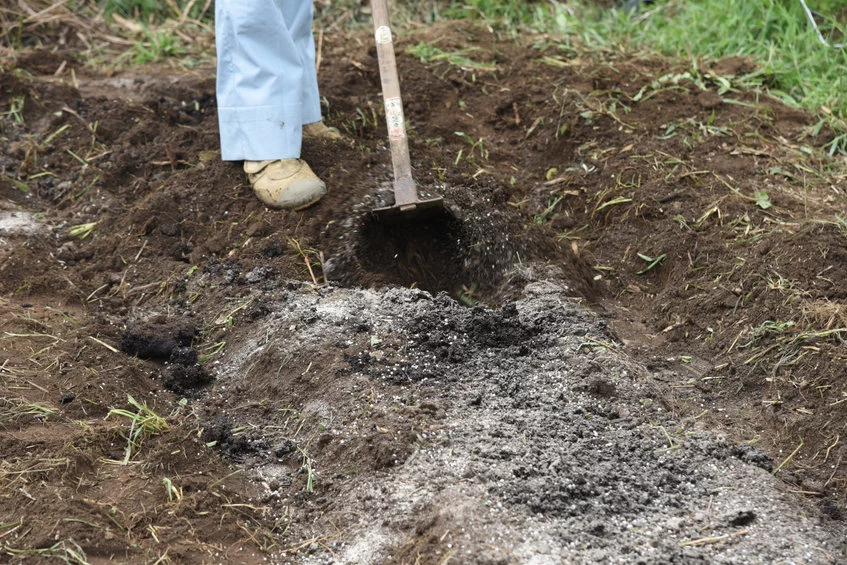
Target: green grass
(156, 11)
(143, 424)
(15, 113)
(776, 34)
(430, 54)
(509, 14)
(158, 44)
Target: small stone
(259, 274)
(67, 252)
(674, 523)
(169, 229)
(742, 518)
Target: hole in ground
(473, 257)
(438, 254)
(425, 253)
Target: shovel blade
(419, 209)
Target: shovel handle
(405, 191)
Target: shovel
(407, 203)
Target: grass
(507, 14)
(155, 11)
(430, 54)
(157, 45)
(793, 64)
(115, 33)
(65, 551)
(174, 492)
(306, 467)
(789, 458)
(652, 262)
(304, 254)
(777, 35)
(15, 113)
(144, 423)
(13, 409)
(81, 231)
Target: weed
(552, 203)
(81, 231)
(652, 262)
(509, 14)
(226, 317)
(763, 200)
(430, 54)
(103, 343)
(789, 458)
(144, 423)
(12, 409)
(67, 550)
(174, 493)
(572, 234)
(475, 146)
(213, 350)
(82, 160)
(22, 186)
(469, 294)
(613, 202)
(368, 120)
(306, 467)
(305, 253)
(153, 11)
(768, 328)
(673, 444)
(15, 113)
(49, 139)
(158, 44)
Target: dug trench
(624, 348)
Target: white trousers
(267, 86)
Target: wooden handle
(405, 191)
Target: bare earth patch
(627, 348)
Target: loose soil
(624, 346)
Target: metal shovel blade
(414, 210)
(408, 204)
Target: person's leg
(261, 97)
(298, 16)
(260, 81)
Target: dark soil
(692, 234)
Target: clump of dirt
(330, 360)
(184, 373)
(160, 339)
(169, 341)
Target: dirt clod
(162, 340)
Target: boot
(319, 130)
(285, 183)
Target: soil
(622, 344)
